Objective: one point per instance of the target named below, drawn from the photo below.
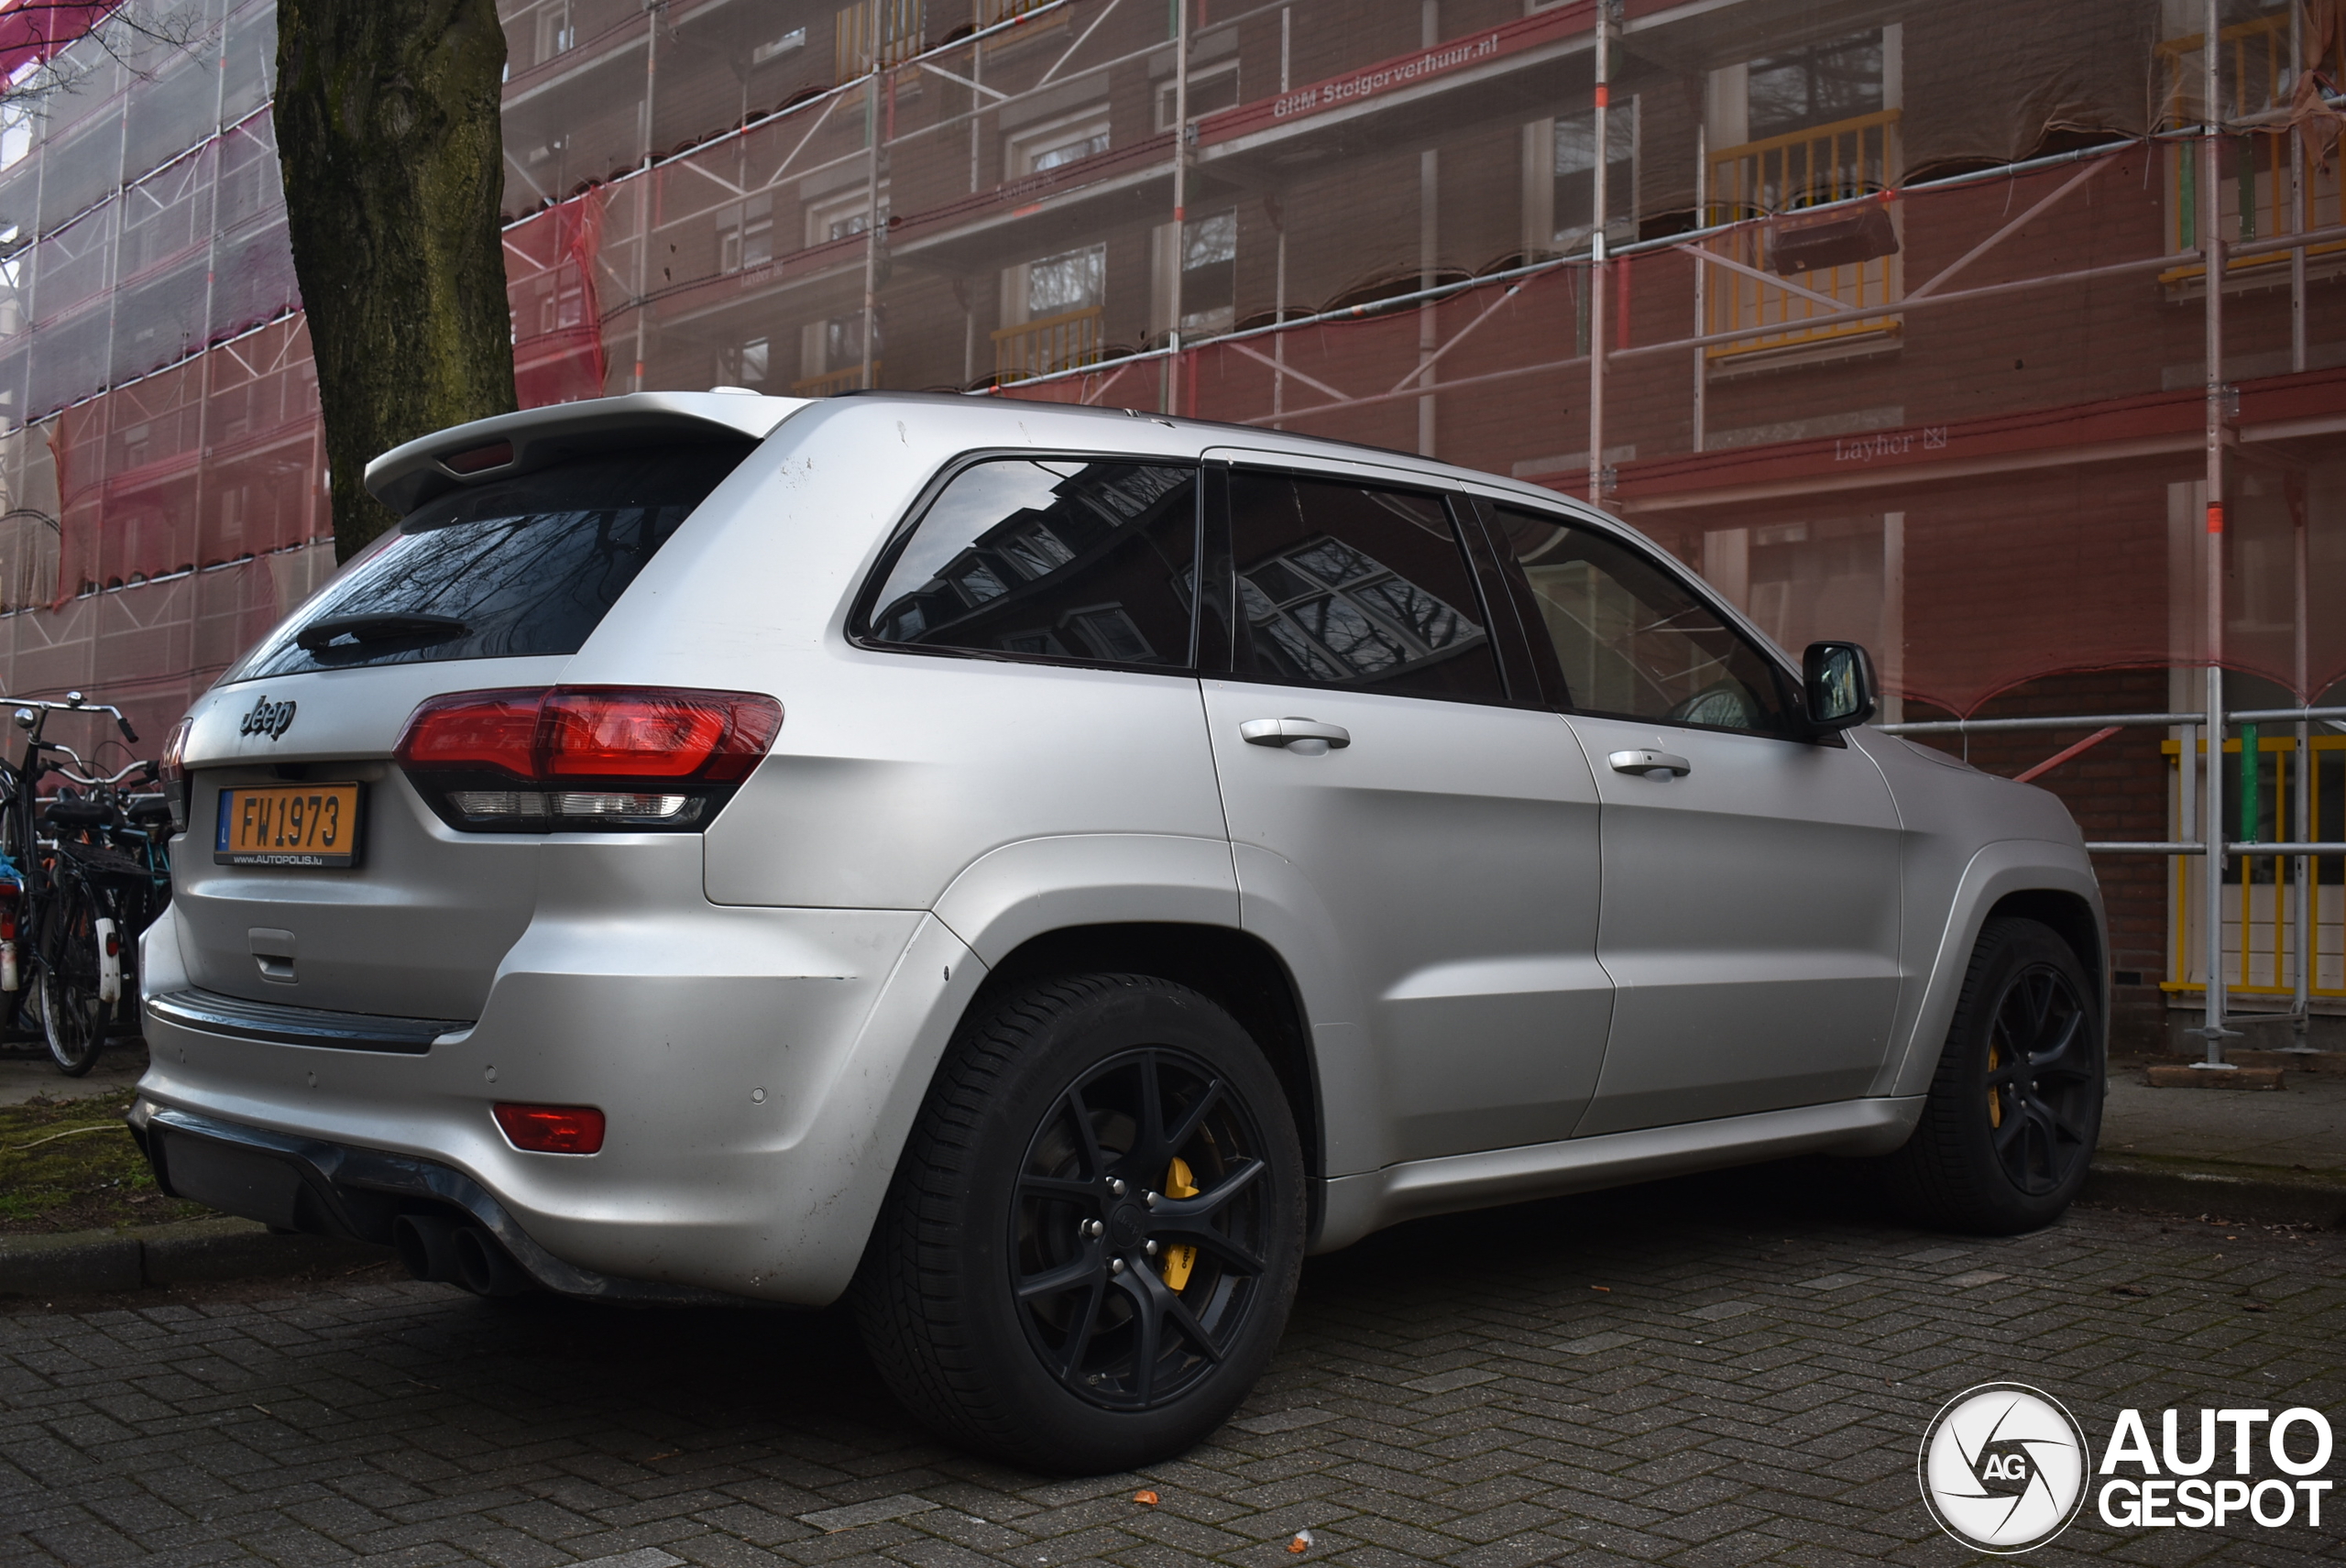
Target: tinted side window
(1050, 558)
(1346, 586)
(1633, 644)
(523, 566)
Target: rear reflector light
(518, 806)
(553, 1129)
(631, 757)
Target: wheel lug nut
(1150, 1248)
(1150, 1199)
(1116, 1266)
(1116, 1184)
(1095, 1228)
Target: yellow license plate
(288, 825)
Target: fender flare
(1009, 895)
(1996, 869)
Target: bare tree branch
(141, 38)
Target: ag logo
(2003, 1468)
(269, 719)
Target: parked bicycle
(89, 870)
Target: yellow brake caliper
(1995, 1102)
(1180, 1260)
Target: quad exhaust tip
(444, 1250)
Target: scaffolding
(1893, 332)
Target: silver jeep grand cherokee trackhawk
(1041, 870)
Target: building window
(750, 364)
(830, 357)
(1837, 80)
(557, 31)
(1209, 263)
(1211, 89)
(1054, 285)
(848, 213)
(1051, 311)
(745, 235)
(1057, 145)
(1574, 191)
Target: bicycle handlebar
(74, 704)
(103, 781)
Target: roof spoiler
(497, 448)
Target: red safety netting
(33, 30)
(199, 464)
(2004, 484)
(550, 261)
(1987, 488)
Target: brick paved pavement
(1750, 1384)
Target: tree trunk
(388, 134)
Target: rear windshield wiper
(387, 627)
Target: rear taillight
(627, 758)
(553, 1129)
(173, 771)
(174, 765)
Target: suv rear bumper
(296, 1183)
(759, 1070)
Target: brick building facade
(1899, 334)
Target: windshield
(524, 566)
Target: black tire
(1111, 1356)
(2015, 1108)
(73, 1021)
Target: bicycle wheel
(73, 1019)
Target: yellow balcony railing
(1054, 342)
(2260, 922)
(832, 382)
(2258, 194)
(1781, 175)
(878, 33)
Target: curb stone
(2241, 1192)
(82, 1262)
(89, 1263)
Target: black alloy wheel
(2007, 1133)
(1093, 1234)
(1138, 1229)
(2043, 1080)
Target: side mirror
(1836, 679)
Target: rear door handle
(1647, 761)
(1288, 731)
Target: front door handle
(1653, 764)
(1315, 736)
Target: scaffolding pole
(1597, 262)
(1172, 395)
(2211, 250)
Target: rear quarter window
(525, 565)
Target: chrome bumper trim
(282, 1025)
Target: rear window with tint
(1050, 558)
(525, 565)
